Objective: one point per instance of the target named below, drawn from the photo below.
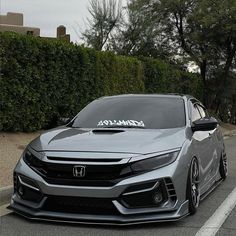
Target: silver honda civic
(123, 159)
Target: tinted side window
(195, 115)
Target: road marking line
(214, 223)
(3, 210)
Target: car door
(202, 141)
(216, 150)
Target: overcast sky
(48, 14)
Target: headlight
(154, 162)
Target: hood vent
(107, 131)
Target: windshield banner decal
(134, 123)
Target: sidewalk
(13, 144)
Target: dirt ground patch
(11, 148)
(228, 129)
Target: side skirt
(215, 185)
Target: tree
(137, 35)
(105, 18)
(203, 31)
(199, 31)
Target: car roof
(167, 95)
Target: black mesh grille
(96, 175)
(80, 205)
(81, 182)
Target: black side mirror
(204, 124)
(63, 121)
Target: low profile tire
(223, 169)
(193, 195)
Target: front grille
(81, 182)
(80, 205)
(62, 174)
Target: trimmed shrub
(160, 77)
(42, 80)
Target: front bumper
(115, 211)
(98, 219)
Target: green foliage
(160, 77)
(42, 80)
(105, 17)
(197, 32)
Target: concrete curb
(5, 194)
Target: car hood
(133, 141)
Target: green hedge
(42, 80)
(160, 77)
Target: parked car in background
(123, 160)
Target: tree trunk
(218, 98)
(203, 68)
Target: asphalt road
(12, 224)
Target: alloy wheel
(194, 179)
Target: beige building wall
(12, 19)
(14, 22)
(20, 29)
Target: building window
(30, 32)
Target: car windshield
(132, 112)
